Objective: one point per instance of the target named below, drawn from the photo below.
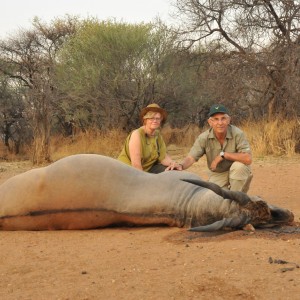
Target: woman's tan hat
(155, 108)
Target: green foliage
(111, 69)
(100, 51)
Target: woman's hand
(174, 166)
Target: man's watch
(222, 153)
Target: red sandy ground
(159, 262)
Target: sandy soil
(160, 262)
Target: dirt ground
(160, 262)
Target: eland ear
(239, 197)
(234, 223)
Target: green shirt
(153, 150)
(207, 144)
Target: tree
(13, 123)
(28, 58)
(256, 42)
(109, 71)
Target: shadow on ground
(279, 232)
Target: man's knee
(239, 171)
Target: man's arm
(243, 157)
(187, 162)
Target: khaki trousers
(238, 178)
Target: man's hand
(215, 162)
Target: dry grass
(93, 141)
(181, 137)
(277, 138)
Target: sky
(17, 14)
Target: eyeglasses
(155, 119)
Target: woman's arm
(135, 150)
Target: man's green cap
(218, 108)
